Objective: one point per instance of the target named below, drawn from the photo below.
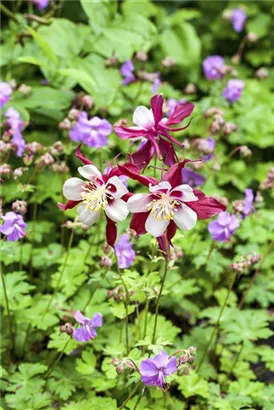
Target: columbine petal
(89, 171)
(185, 218)
(143, 117)
(138, 203)
(86, 216)
(155, 226)
(119, 188)
(184, 192)
(157, 102)
(72, 188)
(162, 185)
(117, 210)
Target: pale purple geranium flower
(156, 83)
(127, 70)
(13, 226)
(233, 90)
(238, 19)
(93, 132)
(41, 4)
(16, 125)
(224, 227)
(154, 371)
(209, 148)
(87, 331)
(5, 93)
(213, 67)
(192, 178)
(248, 203)
(124, 251)
(172, 104)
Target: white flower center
(94, 198)
(163, 208)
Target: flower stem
(217, 323)
(125, 302)
(8, 311)
(158, 300)
(56, 361)
(60, 276)
(130, 396)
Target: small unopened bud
(73, 114)
(183, 359)
(192, 349)
(34, 147)
(121, 123)
(168, 62)
(191, 359)
(129, 364)
(24, 89)
(19, 207)
(120, 369)
(60, 166)
(213, 111)
(245, 151)
(262, 73)
(46, 159)
(28, 159)
(236, 59)
(65, 124)
(131, 233)
(141, 56)
(87, 101)
(254, 258)
(259, 198)
(18, 172)
(115, 361)
(238, 206)
(58, 145)
(190, 89)
(227, 14)
(112, 61)
(106, 262)
(5, 169)
(229, 127)
(252, 37)
(66, 328)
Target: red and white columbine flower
(169, 204)
(98, 193)
(151, 126)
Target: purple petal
(148, 368)
(97, 320)
(171, 366)
(161, 359)
(79, 317)
(81, 334)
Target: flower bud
(121, 123)
(60, 166)
(87, 101)
(34, 147)
(18, 172)
(66, 328)
(191, 359)
(28, 159)
(106, 262)
(168, 62)
(5, 169)
(212, 111)
(58, 145)
(65, 124)
(259, 198)
(19, 207)
(262, 73)
(111, 61)
(46, 159)
(229, 127)
(115, 361)
(141, 56)
(192, 349)
(190, 89)
(183, 359)
(255, 258)
(24, 89)
(120, 369)
(107, 248)
(245, 151)
(252, 37)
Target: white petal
(89, 171)
(188, 194)
(138, 203)
(86, 216)
(185, 218)
(155, 226)
(161, 185)
(143, 117)
(117, 211)
(72, 189)
(121, 189)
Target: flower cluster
(5, 93)
(16, 125)
(13, 226)
(93, 132)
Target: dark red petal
(111, 232)
(81, 156)
(142, 157)
(174, 174)
(163, 246)
(126, 133)
(138, 222)
(167, 152)
(157, 102)
(69, 205)
(171, 231)
(176, 129)
(206, 206)
(127, 196)
(132, 172)
(164, 133)
(180, 112)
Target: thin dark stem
(125, 302)
(158, 299)
(139, 398)
(8, 311)
(217, 323)
(56, 361)
(130, 396)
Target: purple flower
(155, 370)
(213, 67)
(209, 148)
(233, 90)
(5, 93)
(16, 124)
(92, 132)
(156, 83)
(224, 227)
(127, 70)
(87, 331)
(13, 226)
(192, 178)
(238, 19)
(41, 4)
(125, 252)
(172, 104)
(248, 203)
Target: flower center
(163, 208)
(94, 198)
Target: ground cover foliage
(213, 310)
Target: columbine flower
(16, 124)
(224, 227)
(155, 129)
(233, 90)
(169, 204)
(154, 371)
(5, 93)
(127, 70)
(92, 132)
(248, 203)
(41, 4)
(13, 226)
(98, 193)
(125, 252)
(87, 331)
(238, 18)
(192, 178)
(213, 67)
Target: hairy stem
(130, 396)
(126, 301)
(217, 322)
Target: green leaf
(86, 365)
(44, 45)
(192, 385)
(98, 13)
(17, 290)
(62, 342)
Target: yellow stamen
(94, 198)
(163, 208)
